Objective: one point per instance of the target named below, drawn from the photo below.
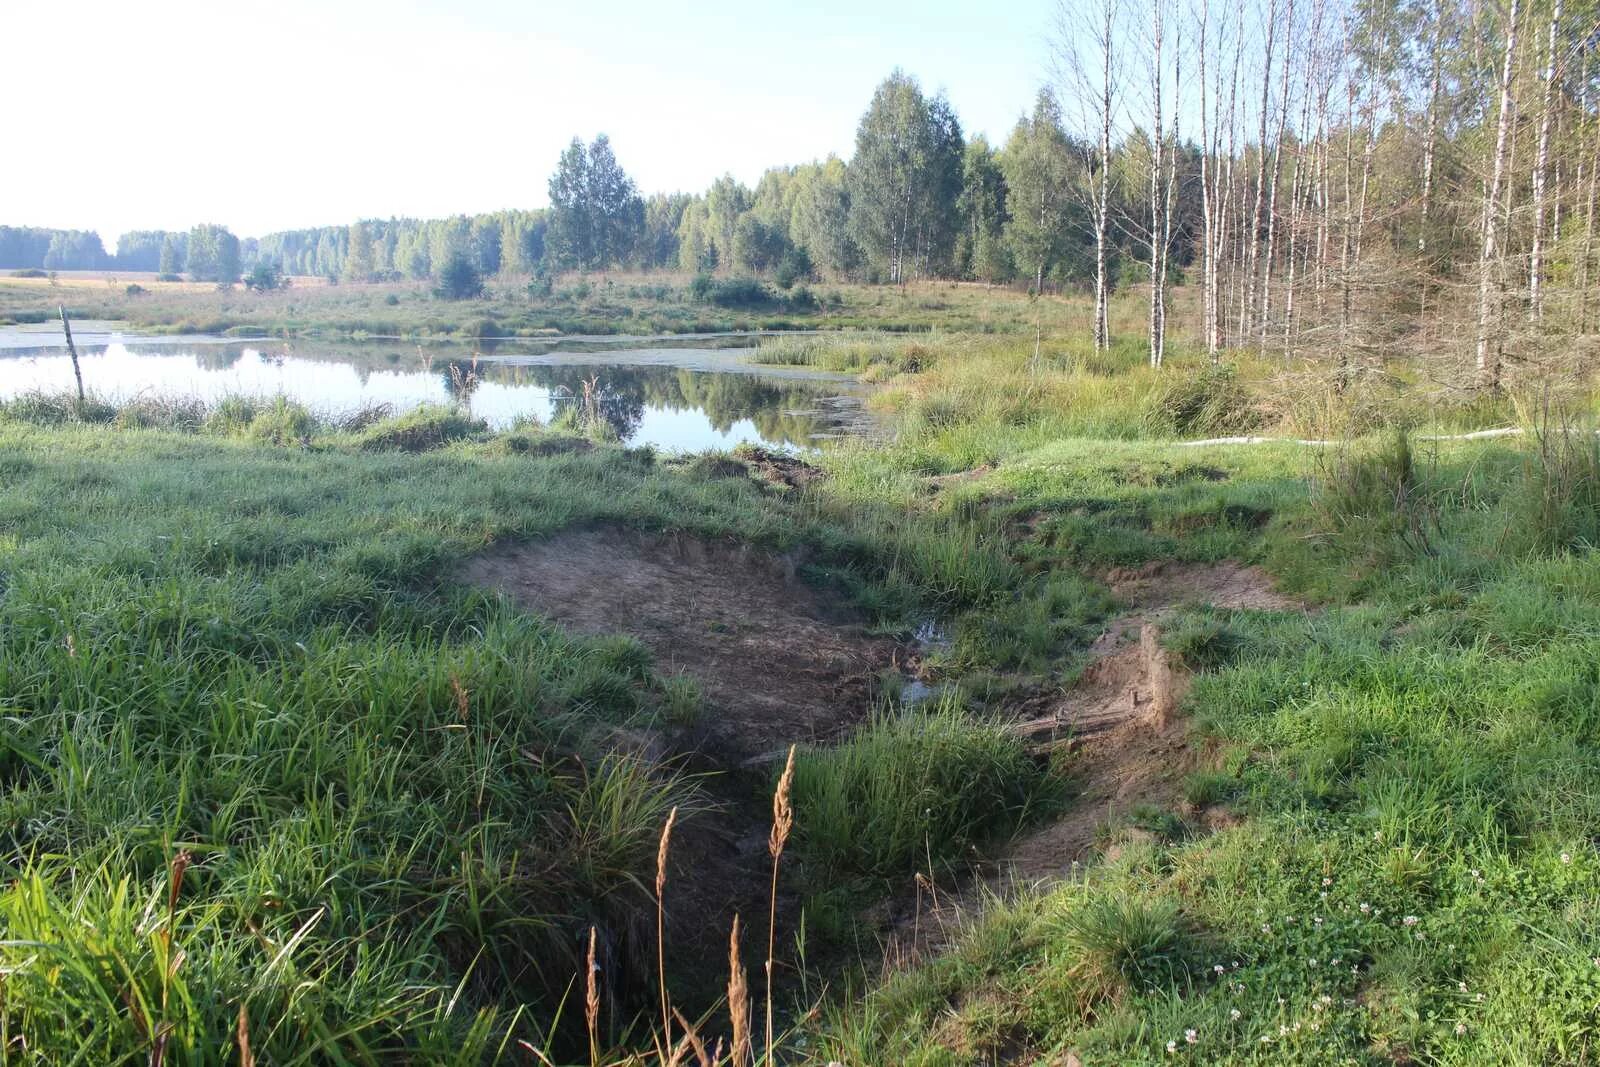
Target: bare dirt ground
(776, 661)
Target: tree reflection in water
(614, 399)
(600, 395)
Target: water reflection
(679, 399)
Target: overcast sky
(298, 113)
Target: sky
(299, 113)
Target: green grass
(233, 632)
(1415, 872)
(237, 636)
(912, 789)
(601, 305)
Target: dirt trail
(776, 662)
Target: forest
(1350, 179)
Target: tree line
(206, 253)
(1336, 178)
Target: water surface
(673, 398)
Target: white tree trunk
(1488, 358)
(1541, 167)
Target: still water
(675, 399)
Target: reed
(738, 1001)
(591, 1001)
(782, 823)
(662, 852)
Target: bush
(1211, 402)
(265, 277)
(729, 292)
(740, 292)
(421, 430)
(169, 277)
(29, 272)
(282, 423)
(459, 279)
(908, 787)
(134, 290)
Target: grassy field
(593, 304)
(270, 773)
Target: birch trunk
(1488, 356)
(1541, 167)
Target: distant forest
(1336, 176)
(917, 199)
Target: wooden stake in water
(72, 350)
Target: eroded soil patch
(1129, 748)
(777, 661)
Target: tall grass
(910, 788)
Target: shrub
(729, 292)
(459, 279)
(421, 430)
(1211, 402)
(283, 422)
(265, 277)
(741, 292)
(29, 272)
(134, 289)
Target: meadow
(617, 302)
(274, 778)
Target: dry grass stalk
(782, 823)
(738, 1000)
(460, 693)
(591, 1002)
(180, 864)
(692, 1041)
(661, 921)
(246, 1057)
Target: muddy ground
(777, 662)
